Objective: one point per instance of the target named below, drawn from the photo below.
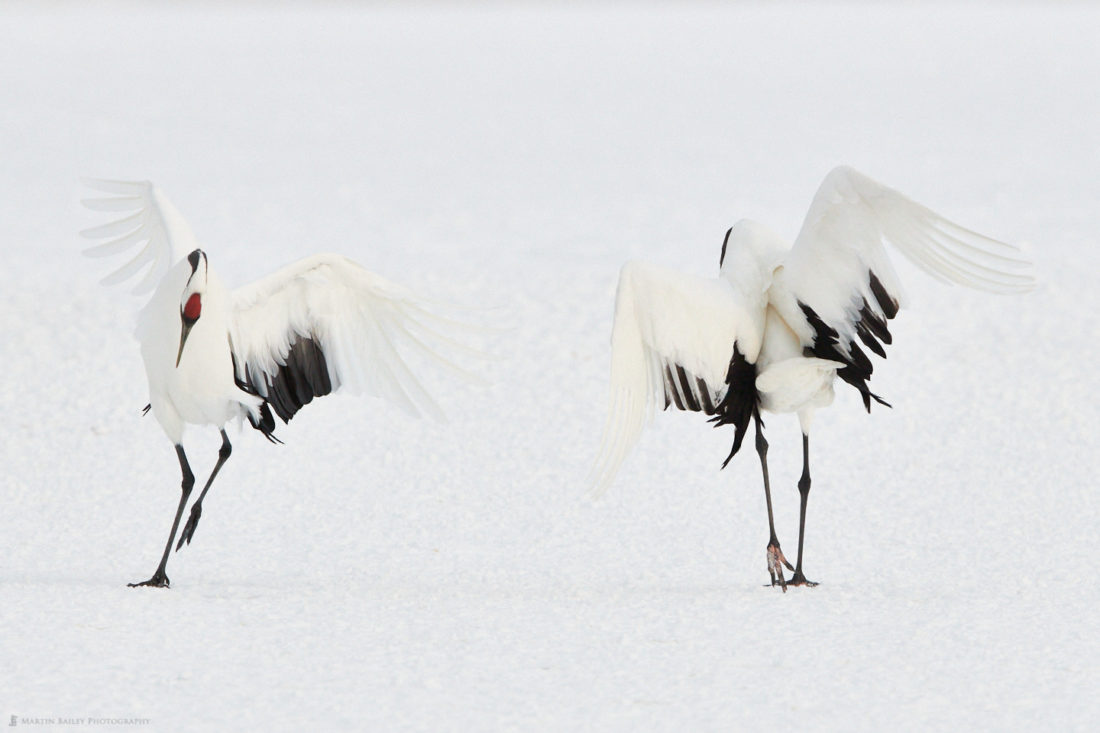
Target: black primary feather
(872, 331)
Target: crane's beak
(187, 324)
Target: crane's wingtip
(94, 182)
(598, 481)
(594, 494)
(116, 187)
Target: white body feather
(201, 389)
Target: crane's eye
(193, 309)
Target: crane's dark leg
(775, 555)
(804, 490)
(160, 578)
(196, 510)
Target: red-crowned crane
(780, 323)
(213, 355)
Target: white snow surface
(379, 572)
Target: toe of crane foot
(159, 580)
(800, 579)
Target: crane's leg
(160, 578)
(196, 510)
(776, 561)
(804, 490)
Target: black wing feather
(740, 402)
(737, 406)
(870, 328)
(302, 376)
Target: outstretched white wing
(838, 284)
(325, 322)
(152, 227)
(673, 341)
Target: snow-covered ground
(382, 573)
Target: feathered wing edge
(635, 373)
(852, 216)
(325, 322)
(153, 227)
(838, 285)
(674, 338)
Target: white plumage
(212, 355)
(363, 323)
(780, 323)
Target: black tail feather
(266, 424)
(741, 401)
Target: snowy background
(378, 572)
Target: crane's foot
(800, 579)
(189, 528)
(776, 561)
(159, 580)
